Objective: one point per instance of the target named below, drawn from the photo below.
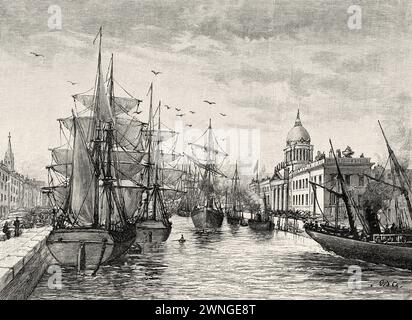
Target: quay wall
(23, 260)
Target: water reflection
(234, 262)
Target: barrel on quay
(23, 260)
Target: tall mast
(97, 140)
(108, 179)
(155, 186)
(149, 171)
(345, 197)
(403, 180)
(209, 162)
(235, 191)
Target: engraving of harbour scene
(205, 149)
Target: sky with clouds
(259, 60)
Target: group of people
(392, 229)
(7, 231)
(339, 230)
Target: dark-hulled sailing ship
(152, 223)
(208, 213)
(234, 214)
(189, 196)
(263, 219)
(392, 249)
(91, 181)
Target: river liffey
(232, 263)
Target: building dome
(298, 134)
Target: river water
(233, 263)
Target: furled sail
(132, 197)
(60, 195)
(103, 110)
(206, 149)
(82, 181)
(120, 104)
(127, 163)
(128, 131)
(160, 135)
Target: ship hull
(261, 225)
(207, 218)
(233, 220)
(391, 255)
(152, 231)
(100, 246)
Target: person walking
(6, 230)
(16, 224)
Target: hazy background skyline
(260, 61)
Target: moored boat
(262, 220)
(152, 221)
(261, 225)
(234, 215)
(208, 217)
(90, 179)
(395, 253)
(370, 245)
(152, 231)
(208, 214)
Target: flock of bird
(156, 73)
(190, 111)
(210, 103)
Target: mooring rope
(101, 256)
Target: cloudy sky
(259, 60)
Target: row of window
(3, 197)
(304, 183)
(300, 200)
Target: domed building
(298, 151)
(291, 188)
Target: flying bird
(192, 112)
(167, 106)
(180, 115)
(156, 72)
(72, 83)
(138, 112)
(37, 54)
(222, 114)
(209, 102)
(177, 109)
(189, 125)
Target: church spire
(297, 121)
(9, 156)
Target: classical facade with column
(289, 187)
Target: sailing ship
(188, 199)
(261, 220)
(208, 213)
(91, 183)
(234, 213)
(152, 221)
(392, 249)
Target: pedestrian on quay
(6, 230)
(16, 224)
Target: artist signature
(384, 283)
